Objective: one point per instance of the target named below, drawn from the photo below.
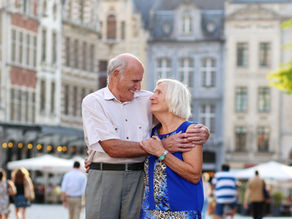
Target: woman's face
(158, 102)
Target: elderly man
(115, 119)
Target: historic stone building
(48, 64)
(121, 30)
(186, 43)
(257, 125)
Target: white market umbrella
(270, 170)
(47, 163)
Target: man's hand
(177, 143)
(197, 134)
(86, 165)
(153, 146)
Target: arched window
(45, 8)
(111, 27)
(55, 11)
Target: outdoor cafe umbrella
(46, 163)
(271, 171)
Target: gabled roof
(144, 8)
(203, 4)
(260, 1)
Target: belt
(117, 167)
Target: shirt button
(127, 137)
(140, 127)
(126, 120)
(116, 129)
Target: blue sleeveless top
(166, 193)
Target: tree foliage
(282, 77)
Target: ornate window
(67, 46)
(187, 24)
(186, 71)
(264, 100)
(54, 48)
(240, 138)
(164, 68)
(265, 54)
(43, 96)
(263, 136)
(52, 105)
(241, 100)
(66, 99)
(242, 54)
(44, 45)
(208, 72)
(207, 116)
(91, 58)
(84, 56)
(111, 27)
(123, 30)
(76, 54)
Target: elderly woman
(173, 185)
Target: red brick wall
(24, 22)
(22, 77)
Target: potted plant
(276, 203)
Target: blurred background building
(54, 52)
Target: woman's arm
(190, 168)
(11, 188)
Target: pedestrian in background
(255, 194)
(73, 189)
(225, 192)
(207, 193)
(24, 191)
(6, 188)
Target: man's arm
(182, 142)
(119, 148)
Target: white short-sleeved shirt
(105, 117)
(74, 183)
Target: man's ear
(116, 73)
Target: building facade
(255, 116)
(119, 33)
(41, 89)
(186, 43)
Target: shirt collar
(108, 95)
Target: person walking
(24, 191)
(115, 119)
(73, 189)
(173, 182)
(207, 193)
(6, 188)
(225, 192)
(254, 194)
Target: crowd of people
(19, 191)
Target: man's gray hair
(116, 64)
(178, 97)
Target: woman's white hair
(178, 97)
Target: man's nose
(138, 86)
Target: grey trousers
(114, 194)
